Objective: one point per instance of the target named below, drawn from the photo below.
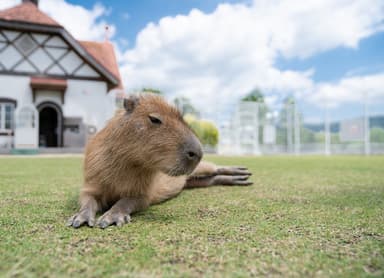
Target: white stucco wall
(16, 87)
(86, 99)
(89, 100)
(48, 95)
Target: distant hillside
(335, 127)
(374, 121)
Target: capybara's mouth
(179, 171)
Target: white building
(241, 134)
(55, 90)
(250, 131)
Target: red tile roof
(27, 12)
(104, 53)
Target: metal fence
(297, 126)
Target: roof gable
(27, 12)
(100, 56)
(104, 54)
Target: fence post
(289, 127)
(367, 147)
(327, 131)
(256, 147)
(296, 129)
(238, 131)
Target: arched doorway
(50, 125)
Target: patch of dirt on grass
(208, 213)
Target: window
(7, 118)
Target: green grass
(304, 216)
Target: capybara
(146, 154)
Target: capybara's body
(146, 154)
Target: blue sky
(336, 63)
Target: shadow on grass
(151, 216)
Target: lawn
(304, 216)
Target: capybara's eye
(154, 119)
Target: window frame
(4, 118)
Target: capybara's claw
(103, 224)
(70, 220)
(81, 218)
(240, 167)
(234, 170)
(113, 217)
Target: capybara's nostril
(194, 155)
(191, 155)
(192, 150)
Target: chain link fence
(300, 127)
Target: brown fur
(145, 155)
(124, 158)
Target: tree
(255, 95)
(151, 90)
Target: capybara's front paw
(82, 217)
(113, 217)
(232, 180)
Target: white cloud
(301, 29)
(349, 90)
(82, 23)
(216, 58)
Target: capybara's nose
(193, 150)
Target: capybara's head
(158, 136)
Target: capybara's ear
(130, 103)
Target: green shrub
(205, 130)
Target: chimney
(36, 2)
